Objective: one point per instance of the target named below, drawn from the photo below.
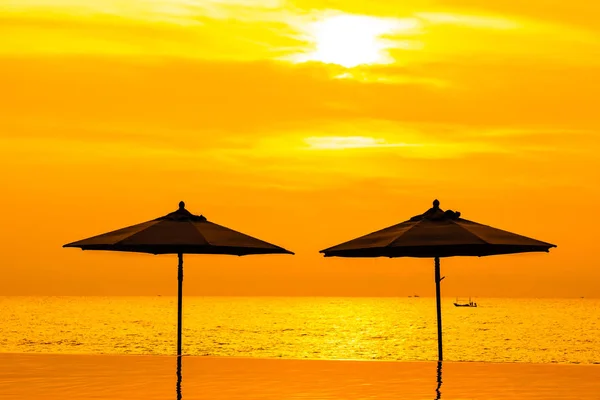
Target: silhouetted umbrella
(178, 233)
(436, 234)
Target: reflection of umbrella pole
(439, 381)
(180, 301)
(178, 387)
(438, 280)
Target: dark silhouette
(177, 233)
(438, 392)
(436, 234)
(469, 304)
(178, 386)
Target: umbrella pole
(179, 301)
(438, 280)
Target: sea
(565, 331)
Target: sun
(352, 40)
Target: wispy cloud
(278, 30)
(469, 21)
(351, 142)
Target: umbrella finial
(181, 205)
(436, 203)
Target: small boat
(469, 304)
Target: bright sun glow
(349, 142)
(351, 40)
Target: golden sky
(305, 123)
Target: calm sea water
(499, 330)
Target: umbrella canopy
(179, 232)
(437, 233)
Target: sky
(304, 123)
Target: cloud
(274, 30)
(351, 142)
(576, 14)
(111, 35)
(469, 21)
(176, 12)
(161, 100)
(573, 15)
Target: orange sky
(304, 123)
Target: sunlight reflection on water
(500, 330)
